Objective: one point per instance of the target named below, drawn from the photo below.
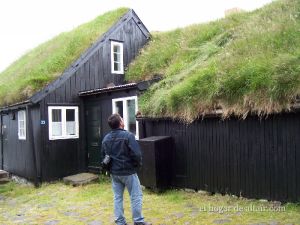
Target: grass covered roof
(45, 63)
(246, 62)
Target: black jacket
(124, 151)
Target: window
(22, 125)
(63, 122)
(127, 108)
(117, 57)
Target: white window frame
(64, 122)
(125, 111)
(120, 44)
(21, 137)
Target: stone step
(4, 180)
(80, 179)
(3, 174)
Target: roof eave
(15, 106)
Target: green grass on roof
(247, 62)
(46, 62)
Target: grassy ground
(57, 203)
(245, 62)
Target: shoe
(142, 223)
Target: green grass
(247, 62)
(94, 202)
(46, 62)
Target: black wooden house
(56, 132)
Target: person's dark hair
(114, 121)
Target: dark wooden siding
(17, 154)
(104, 102)
(36, 139)
(256, 158)
(97, 110)
(64, 157)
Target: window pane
(56, 129)
(117, 57)
(116, 66)
(119, 108)
(71, 128)
(22, 133)
(116, 49)
(21, 115)
(56, 115)
(70, 114)
(131, 121)
(21, 124)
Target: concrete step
(3, 174)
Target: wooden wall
(104, 102)
(256, 158)
(64, 157)
(18, 155)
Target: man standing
(126, 157)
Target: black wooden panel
(83, 78)
(87, 76)
(101, 72)
(256, 158)
(269, 146)
(73, 94)
(1, 144)
(17, 154)
(77, 81)
(297, 158)
(37, 137)
(68, 90)
(292, 136)
(93, 64)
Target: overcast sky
(25, 24)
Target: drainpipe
(31, 143)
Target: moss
(46, 62)
(247, 62)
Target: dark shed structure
(254, 157)
(46, 137)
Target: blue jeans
(132, 183)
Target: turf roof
(245, 63)
(45, 63)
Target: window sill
(63, 138)
(116, 72)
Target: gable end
(86, 56)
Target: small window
(127, 108)
(22, 125)
(117, 57)
(63, 122)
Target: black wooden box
(155, 172)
